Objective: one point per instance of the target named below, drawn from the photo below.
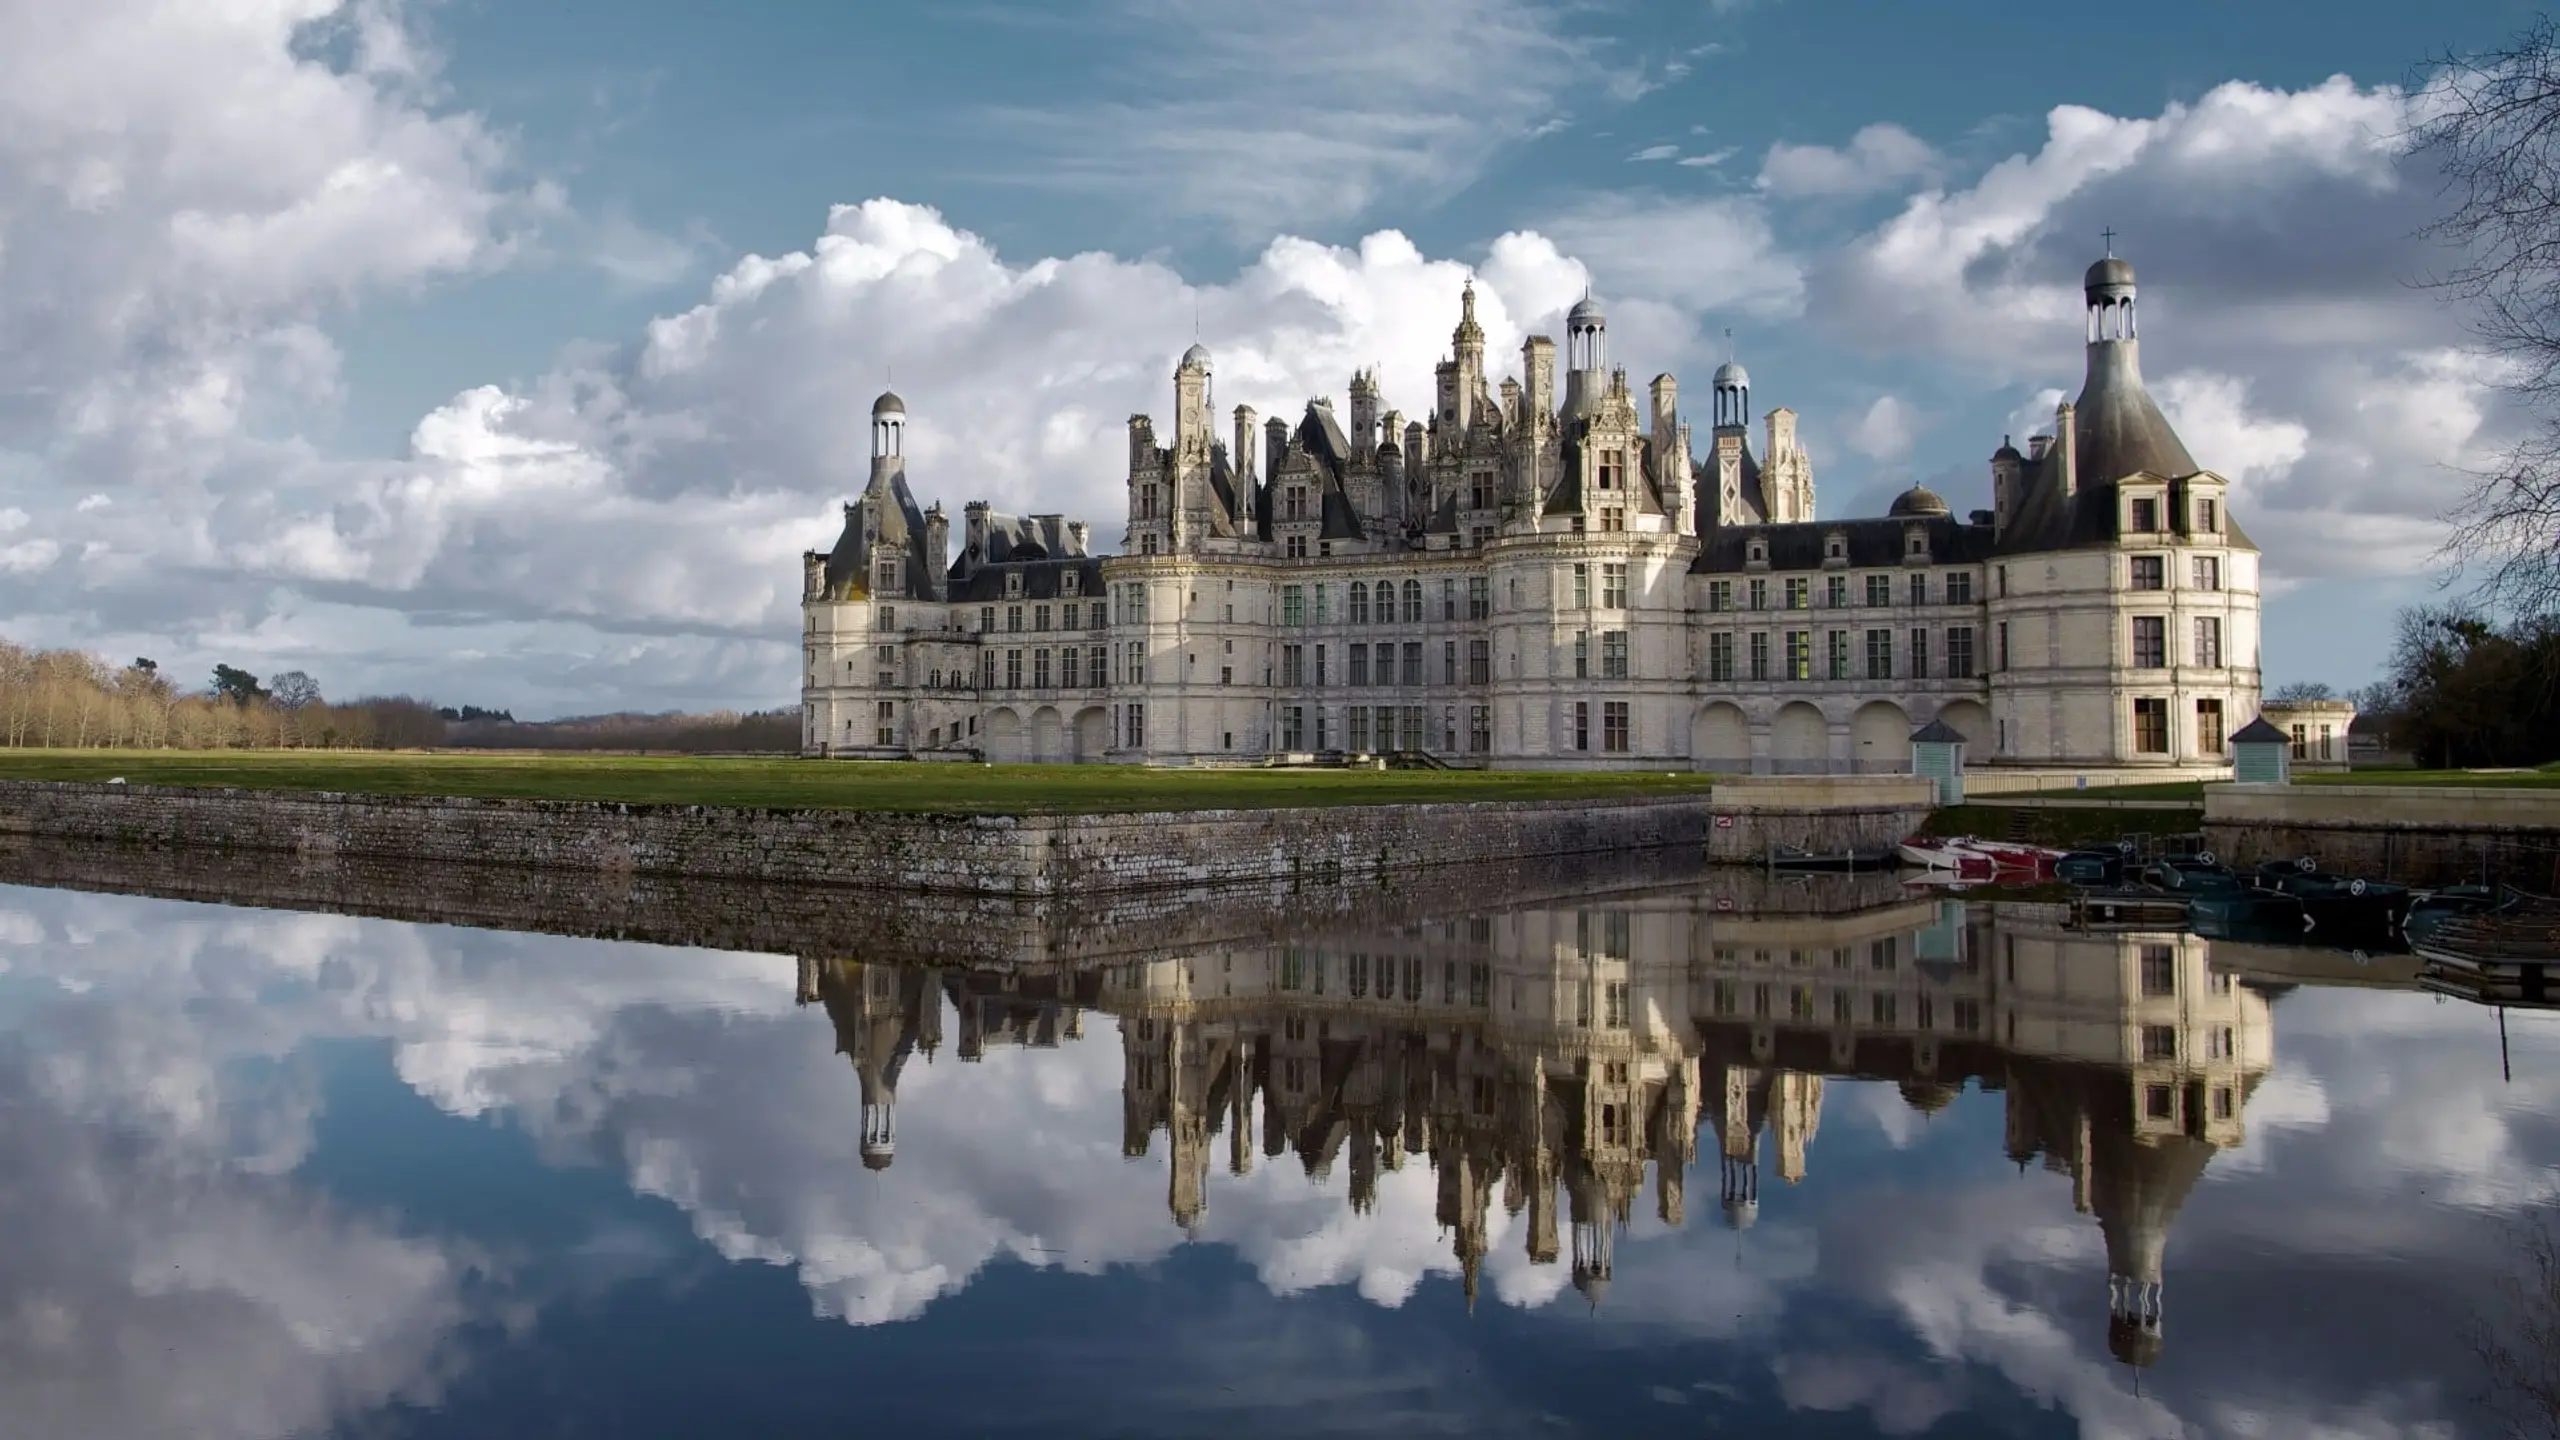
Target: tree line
(65, 699)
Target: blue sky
(509, 353)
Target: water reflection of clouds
(693, 1075)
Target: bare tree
(2490, 122)
(294, 689)
(2520, 1348)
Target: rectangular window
(1013, 617)
(1359, 737)
(1359, 665)
(1320, 680)
(1581, 724)
(2208, 571)
(1799, 593)
(1613, 654)
(1293, 664)
(1040, 669)
(2208, 652)
(1720, 655)
(1359, 603)
(1581, 654)
(1013, 669)
(1838, 645)
(1097, 620)
(1069, 675)
(1479, 598)
(1412, 604)
(1799, 654)
(1759, 594)
(1719, 594)
(2208, 517)
(1479, 729)
(2003, 634)
(1293, 727)
(1479, 662)
(1293, 605)
(1449, 598)
(2150, 572)
(2159, 970)
(1960, 586)
(2301, 745)
(2146, 516)
(2150, 642)
(1880, 1010)
(986, 619)
(1836, 592)
(1919, 655)
(1413, 662)
(1879, 589)
(1879, 654)
(2151, 727)
(1138, 665)
(1613, 726)
(1959, 652)
(2159, 1042)
(1448, 662)
(1613, 587)
(1411, 723)
(1137, 725)
(1581, 587)
(1760, 655)
(2209, 731)
(1071, 616)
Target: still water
(1630, 1164)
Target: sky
(511, 353)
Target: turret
(1364, 415)
(937, 553)
(1275, 447)
(1466, 347)
(1242, 455)
(2008, 468)
(1586, 330)
(888, 435)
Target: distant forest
(70, 700)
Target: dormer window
(1759, 552)
(2146, 515)
(888, 577)
(1012, 583)
(2208, 518)
(1069, 582)
(1612, 470)
(1915, 542)
(1835, 548)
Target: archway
(1800, 740)
(1720, 739)
(1048, 735)
(1968, 717)
(1004, 737)
(1880, 739)
(1092, 734)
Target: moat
(1579, 1149)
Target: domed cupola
(2120, 429)
(1918, 502)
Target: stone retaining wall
(1023, 855)
(2423, 835)
(1826, 814)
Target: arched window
(1413, 602)
(1359, 602)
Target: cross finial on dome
(2109, 235)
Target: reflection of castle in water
(1550, 1055)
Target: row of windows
(2151, 572)
(1839, 592)
(1302, 666)
(1814, 1005)
(1846, 655)
(1367, 729)
(1075, 668)
(2151, 642)
(1072, 615)
(2151, 726)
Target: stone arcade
(1524, 579)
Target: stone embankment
(1021, 855)
(1825, 814)
(2415, 834)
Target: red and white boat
(1971, 859)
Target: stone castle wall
(1025, 855)
(2413, 834)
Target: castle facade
(1528, 578)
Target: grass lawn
(822, 784)
(2546, 777)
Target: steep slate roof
(2120, 433)
(1041, 580)
(902, 526)
(1873, 543)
